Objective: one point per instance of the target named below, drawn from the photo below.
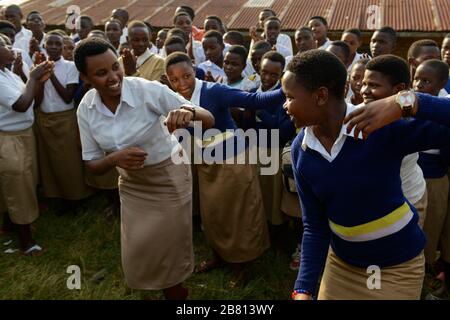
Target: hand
(34, 46)
(254, 34)
(18, 64)
(178, 119)
(42, 72)
(130, 158)
(129, 62)
(302, 296)
(373, 116)
(365, 56)
(209, 77)
(39, 58)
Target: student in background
(160, 39)
(60, 163)
(341, 50)
(113, 30)
(383, 41)
(304, 41)
(385, 76)
(353, 38)
(233, 38)
(214, 23)
(13, 14)
(445, 53)
(36, 24)
(213, 47)
(430, 77)
(355, 82)
(140, 62)
(123, 16)
(272, 29)
(256, 54)
(85, 24)
(233, 65)
(18, 158)
(68, 47)
(197, 34)
(421, 51)
(319, 27)
(98, 33)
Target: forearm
(65, 93)
(26, 99)
(254, 101)
(205, 117)
(436, 109)
(39, 95)
(101, 166)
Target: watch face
(402, 100)
(409, 99)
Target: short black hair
(354, 31)
(390, 32)
(274, 57)
(306, 29)
(268, 10)
(186, 9)
(394, 68)
(137, 24)
(320, 18)
(273, 18)
(55, 33)
(178, 32)
(332, 74)
(343, 46)
(90, 47)
(87, 18)
(362, 61)
(414, 49)
(149, 27)
(214, 34)
(262, 45)
(33, 12)
(175, 58)
(98, 33)
(240, 51)
(236, 36)
(181, 14)
(5, 24)
(174, 40)
(439, 67)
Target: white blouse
(138, 121)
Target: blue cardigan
(360, 185)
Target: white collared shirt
(284, 51)
(311, 141)
(137, 122)
(11, 88)
(245, 84)
(22, 39)
(66, 73)
(195, 99)
(413, 182)
(123, 37)
(325, 45)
(216, 71)
(27, 62)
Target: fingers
(178, 119)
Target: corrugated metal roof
(402, 15)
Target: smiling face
(376, 86)
(271, 72)
(6, 54)
(304, 41)
(182, 78)
(184, 22)
(54, 46)
(139, 39)
(272, 29)
(213, 50)
(36, 24)
(425, 81)
(356, 78)
(113, 31)
(233, 67)
(104, 73)
(445, 51)
(319, 29)
(381, 43)
(301, 104)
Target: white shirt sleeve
(90, 148)
(72, 74)
(167, 100)
(10, 93)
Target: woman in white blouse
(122, 125)
(18, 167)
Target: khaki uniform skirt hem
(156, 225)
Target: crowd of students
(86, 110)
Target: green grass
(88, 240)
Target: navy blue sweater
(360, 185)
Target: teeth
(115, 86)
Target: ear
(321, 96)
(399, 87)
(84, 78)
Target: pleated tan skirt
(60, 163)
(232, 211)
(341, 281)
(156, 225)
(18, 176)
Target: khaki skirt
(18, 176)
(60, 163)
(341, 281)
(156, 225)
(106, 181)
(232, 211)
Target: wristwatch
(406, 99)
(189, 108)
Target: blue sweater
(434, 165)
(360, 185)
(219, 98)
(447, 86)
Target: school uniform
(216, 71)
(434, 164)
(148, 66)
(325, 45)
(18, 165)
(60, 164)
(376, 225)
(231, 205)
(22, 39)
(156, 201)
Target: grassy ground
(88, 240)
